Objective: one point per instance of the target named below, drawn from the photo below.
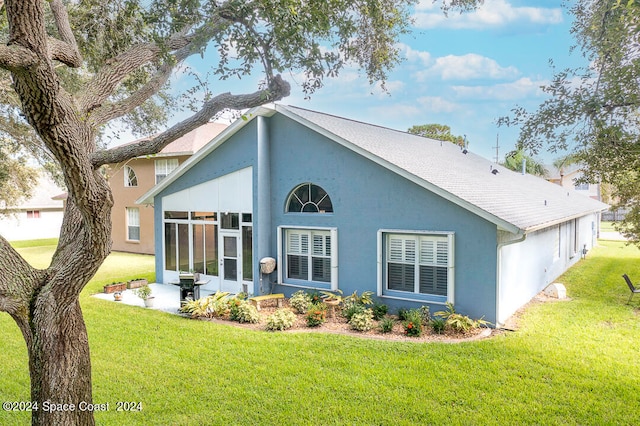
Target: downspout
(263, 210)
(504, 239)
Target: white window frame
(127, 177)
(133, 221)
(164, 167)
(383, 247)
(282, 254)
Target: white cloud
(519, 89)
(413, 55)
(493, 13)
(436, 104)
(466, 67)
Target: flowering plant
(316, 315)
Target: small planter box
(112, 288)
(136, 283)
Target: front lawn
(571, 362)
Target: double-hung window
(133, 224)
(164, 167)
(416, 265)
(309, 257)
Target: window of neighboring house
(164, 167)
(33, 214)
(582, 187)
(309, 257)
(130, 178)
(133, 224)
(418, 264)
(309, 198)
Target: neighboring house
(347, 205)
(133, 223)
(567, 176)
(37, 217)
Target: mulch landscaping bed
(338, 325)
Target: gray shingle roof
(514, 202)
(510, 199)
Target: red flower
(410, 325)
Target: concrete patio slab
(166, 298)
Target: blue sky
(464, 71)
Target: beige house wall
(124, 197)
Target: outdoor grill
(189, 288)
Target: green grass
(607, 226)
(571, 362)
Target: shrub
(316, 315)
(281, 319)
(402, 314)
(315, 296)
(424, 314)
(215, 305)
(379, 311)
(386, 325)
(364, 299)
(243, 311)
(300, 301)
(349, 311)
(438, 324)
(459, 323)
(413, 323)
(362, 321)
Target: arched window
(309, 198)
(130, 178)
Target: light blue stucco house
(348, 205)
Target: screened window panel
(170, 249)
(211, 249)
(321, 269)
(298, 267)
(433, 280)
(183, 247)
(247, 253)
(400, 277)
(198, 248)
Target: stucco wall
(18, 227)
(124, 197)
(527, 267)
(366, 198)
(236, 154)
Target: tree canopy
(440, 132)
(594, 110)
(515, 159)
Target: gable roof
(189, 143)
(514, 202)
